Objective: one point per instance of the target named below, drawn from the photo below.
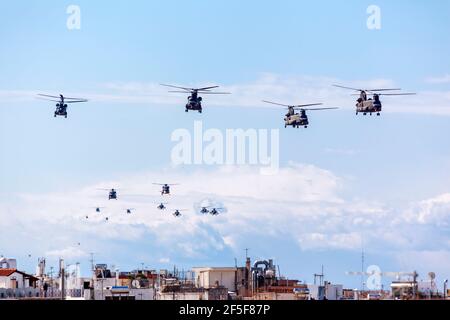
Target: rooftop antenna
(246, 252)
(92, 261)
(320, 276)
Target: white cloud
(434, 211)
(425, 261)
(341, 151)
(164, 260)
(68, 253)
(301, 205)
(439, 80)
(347, 241)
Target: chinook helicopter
(61, 106)
(372, 105)
(296, 119)
(194, 100)
(165, 187)
(112, 194)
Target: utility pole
(445, 289)
(63, 276)
(320, 276)
(92, 289)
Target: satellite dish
(432, 275)
(135, 284)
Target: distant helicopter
(112, 194)
(369, 105)
(165, 187)
(130, 210)
(295, 119)
(177, 212)
(162, 206)
(98, 209)
(194, 100)
(61, 106)
(215, 211)
(204, 210)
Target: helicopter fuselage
(194, 103)
(369, 106)
(165, 190)
(112, 195)
(296, 120)
(61, 110)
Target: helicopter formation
(113, 195)
(292, 118)
(213, 211)
(295, 117)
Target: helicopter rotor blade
(339, 86)
(367, 90)
(374, 90)
(176, 87)
(67, 98)
(76, 101)
(276, 103)
(206, 92)
(398, 94)
(47, 99)
(318, 109)
(47, 95)
(206, 88)
(300, 106)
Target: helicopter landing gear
(200, 111)
(306, 127)
(364, 113)
(378, 114)
(371, 113)
(356, 112)
(186, 110)
(65, 116)
(55, 115)
(285, 126)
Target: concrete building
(15, 279)
(209, 277)
(8, 263)
(327, 291)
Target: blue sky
(290, 51)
